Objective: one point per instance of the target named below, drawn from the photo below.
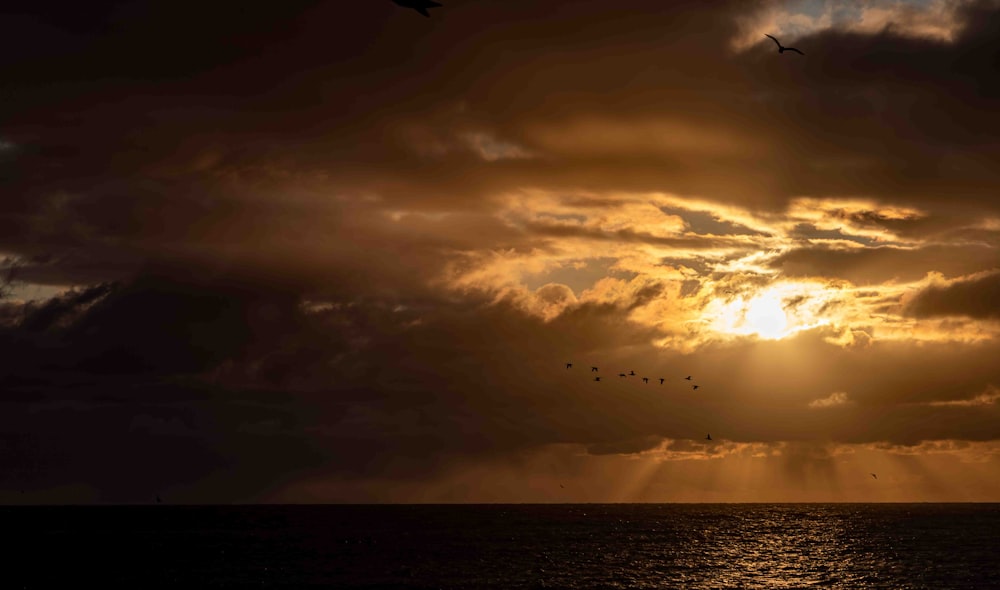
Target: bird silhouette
(708, 437)
(688, 377)
(622, 375)
(782, 48)
(694, 387)
(632, 373)
(873, 475)
(597, 378)
(420, 6)
(661, 380)
(569, 365)
(593, 369)
(645, 379)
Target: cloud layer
(310, 255)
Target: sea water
(897, 546)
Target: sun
(775, 312)
(763, 316)
(766, 317)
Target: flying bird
(645, 379)
(632, 373)
(420, 6)
(782, 48)
(593, 369)
(688, 377)
(873, 475)
(569, 365)
(661, 380)
(694, 387)
(597, 378)
(622, 375)
(708, 437)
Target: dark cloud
(977, 297)
(60, 311)
(884, 263)
(625, 447)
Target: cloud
(938, 20)
(837, 398)
(987, 398)
(372, 266)
(973, 296)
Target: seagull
(708, 437)
(873, 475)
(622, 375)
(661, 380)
(597, 378)
(688, 377)
(632, 373)
(694, 387)
(420, 6)
(569, 365)
(593, 369)
(645, 379)
(782, 48)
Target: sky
(327, 252)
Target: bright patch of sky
(35, 292)
(492, 149)
(929, 19)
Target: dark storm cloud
(152, 325)
(92, 400)
(880, 264)
(62, 309)
(977, 297)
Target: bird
(694, 387)
(645, 379)
(569, 365)
(420, 6)
(782, 48)
(688, 377)
(597, 378)
(622, 375)
(873, 475)
(593, 369)
(708, 437)
(632, 373)
(661, 380)
(562, 486)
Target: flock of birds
(632, 374)
(694, 386)
(421, 6)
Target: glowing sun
(775, 312)
(766, 317)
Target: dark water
(507, 546)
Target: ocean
(690, 546)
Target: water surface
(896, 546)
